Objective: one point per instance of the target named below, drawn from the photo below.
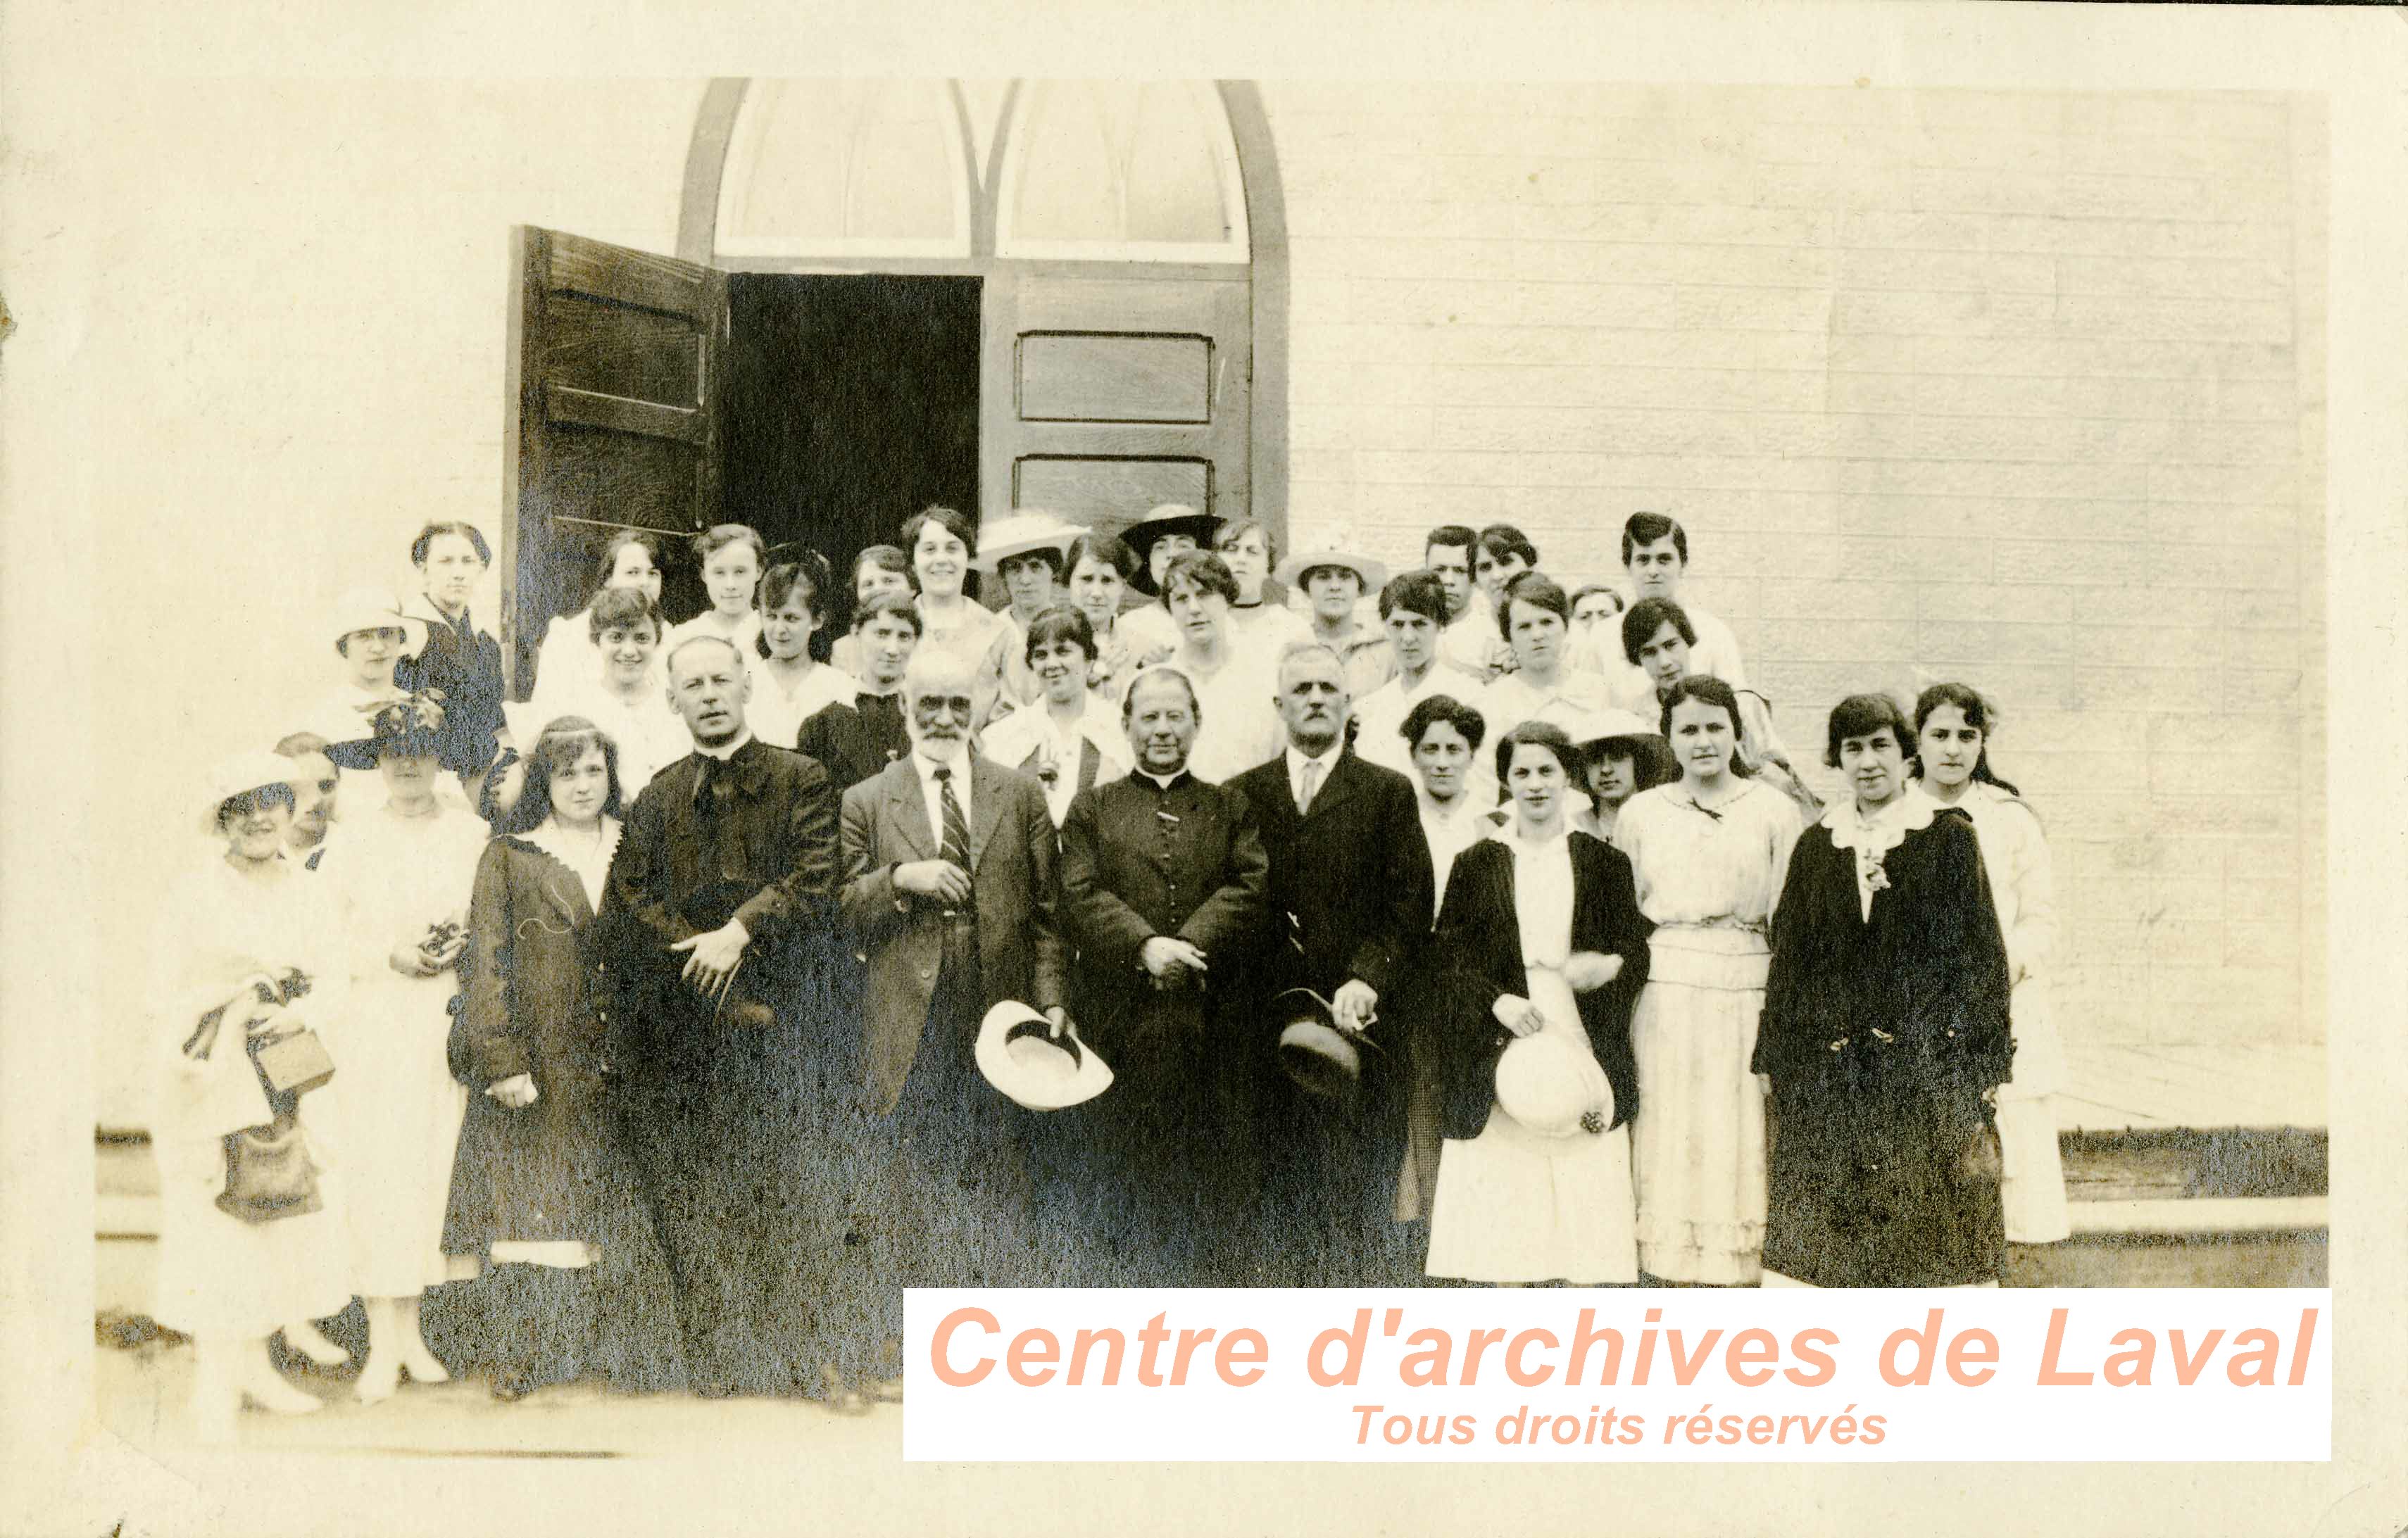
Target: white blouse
(1873, 837)
(1542, 896)
(1721, 868)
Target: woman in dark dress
(1884, 1034)
(460, 664)
(574, 1281)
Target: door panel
(1104, 396)
(614, 423)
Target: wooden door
(1106, 394)
(612, 421)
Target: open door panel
(614, 356)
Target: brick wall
(2016, 387)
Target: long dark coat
(1880, 1036)
(554, 1170)
(464, 665)
(1476, 958)
(1350, 892)
(854, 740)
(1158, 1172)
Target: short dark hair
(1111, 549)
(1452, 537)
(1061, 622)
(720, 535)
(561, 743)
(1703, 686)
(1499, 540)
(1590, 589)
(1537, 734)
(624, 607)
(953, 520)
(1415, 592)
(257, 799)
(808, 573)
(895, 604)
(434, 532)
(1647, 528)
(1128, 701)
(619, 541)
(1861, 715)
(1539, 591)
(886, 558)
(1203, 569)
(1430, 709)
(1643, 620)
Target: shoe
(270, 1392)
(379, 1378)
(839, 1398)
(306, 1341)
(421, 1365)
(510, 1388)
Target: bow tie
(719, 781)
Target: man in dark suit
(720, 905)
(1163, 877)
(949, 892)
(1349, 894)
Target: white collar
(1911, 812)
(926, 767)
(1161, 781)
(1559, 839)
(727, 750)
(1327, 757)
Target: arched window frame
(1236, 248)
(743, 148)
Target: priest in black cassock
(1163, 877)
(715, 927)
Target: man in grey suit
(950, 894)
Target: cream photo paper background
(257, 261)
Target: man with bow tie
(949, 895)
(1350, 894)
(713, 930)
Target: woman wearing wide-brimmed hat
(1165, 532)
(1336, 580)
(1620, 756)
(1029, 552)
(248, 950)
(1709, 853)
(1540, 935)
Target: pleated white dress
(2031, 1185)
(1708, 880)
(395, 1108)
(1514, 1205)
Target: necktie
(956, 848)
(1311, 784)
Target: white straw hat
(243, 772)
(1028, 529)
(364, 608)
(1333, 549)
(1019, 1054)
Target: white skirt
(393, 1112)
(2031, 1178)
(1512, 1205)
(1697, 1140)
(221, 1277)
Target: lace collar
(589, 858)
(1887, 828)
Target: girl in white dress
(245, 915)
(1953, 725)
(731, 556)
(1539, 935)
(631, 558)
(941, 543)
(407, 872)
(1068, 740)
(789, 686)
(1710, 854)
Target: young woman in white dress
(1069, 739)
(731, 556)
(618, 684)
(1539, 935)
(1953, 725)
(941, 543)
(407, 871)
(1709, 853)
(244, 913)
(789, 685)
(1259, 617)
(631, 558)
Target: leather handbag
(294, 1064)
(269, 1174)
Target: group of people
(1443, 925)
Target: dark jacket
(1140, 860)
(529, 1008)
(464, 665)
(1880, 1035)
(767, 855)
(855, 741)
(1012, 893)
(1477, 960)
(1350, 879)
